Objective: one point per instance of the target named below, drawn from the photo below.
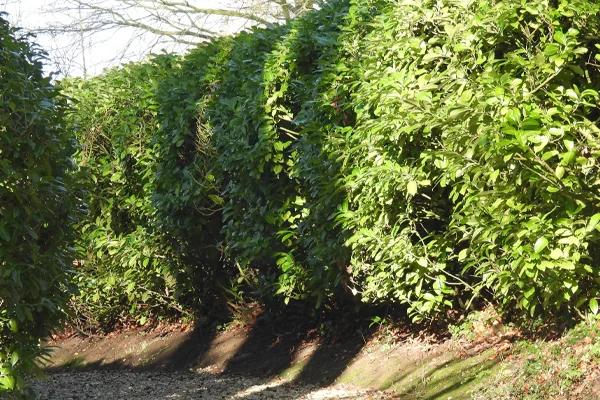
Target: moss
(431, 377)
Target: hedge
(124, 269)
(472, 166)
(36, 206)
(430, 154)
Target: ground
(155, 385)
(481, 360)
(261, 362)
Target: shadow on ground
(299, 353)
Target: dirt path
(152, 385)
(259, 362)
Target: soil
(259, 361)
(146, 385)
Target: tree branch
(180, 23)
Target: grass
(566, 368)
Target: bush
(429, 154)
(472, 166)
(125, 270)
(36, 206)
(186, 195)
(260, 141)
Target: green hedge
(125, 270)
(275, 173)
(186, 195)
(427, 153)
(36, 206)
(472, 166)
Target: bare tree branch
(76, 27)
(180, 20)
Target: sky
(65, 51)
(72, 55)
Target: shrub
(36, 206)
(277, 178)
(186, 195)
(472, 168)
(428, 154)
(125, 270)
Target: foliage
(431, 154)
(456, 163)
(472, 165)
(186, 195)
(36, 206)
(125, 269)
(276, 176)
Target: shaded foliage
(36, 206)
(187, 197)
(124, 270)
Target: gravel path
(152, 385)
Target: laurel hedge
(472, 168)
(36, 206)
(125, 271)
(432, 154)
